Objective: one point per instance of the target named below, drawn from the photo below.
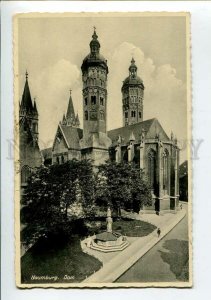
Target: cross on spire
(70, 91)
(26, 74)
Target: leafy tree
(50, 193)
(122, 185)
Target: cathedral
(30, 155)
(143, 142)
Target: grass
(53, 258)
(56, 257)
(177, 257)
(125, 226)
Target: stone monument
(109, 241)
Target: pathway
(151, 267)
(122, 261)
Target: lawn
(125, 226)
(177, 257)
(56, 257)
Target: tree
(49, 194)
(122, 185)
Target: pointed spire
(35, 107)
(64, 121)
(77, 122)
(70, 116)
(26, 103)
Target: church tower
(28, 110)
(132, 97)
(94, 76)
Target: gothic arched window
(25, 174)
(62, 159)
(152, 168)
(86, 101)
(86, 115)
(165, 169)
(126, 114)
(139, 114)
(57, 160)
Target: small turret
(77, 122)
(35, 108)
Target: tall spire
(26, 103)
(70, 116)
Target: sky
(52, 49)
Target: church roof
(97, 60)
(72, 136)
(26, 102)
(150, 128)
(133, 78)
(70, 110)
(94, 58)
(132, 81)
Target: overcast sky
(52, 50)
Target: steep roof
(72, 136)
(149, 127)
(26, 102)
(70, 110)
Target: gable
(155, 129)
(60, 143)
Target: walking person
(158, 232)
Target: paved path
(151, 267)
(117, 265)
